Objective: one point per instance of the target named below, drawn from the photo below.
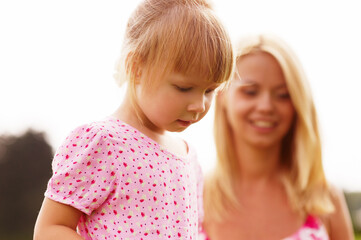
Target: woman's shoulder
(312, 228)
(338, 222)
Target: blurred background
(56, 66)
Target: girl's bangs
(194, 45)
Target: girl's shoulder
(107, 128)
(114, 132)
(107, 135)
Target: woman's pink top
(126, 184)
(312, 229)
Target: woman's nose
(265, 103)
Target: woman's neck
(257, 163)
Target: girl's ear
(137, 71)
(134, 68)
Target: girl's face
(175, 102)
(258, 106)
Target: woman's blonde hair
(183, 36)
(301, 159)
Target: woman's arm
(56, 221)
(340, 225)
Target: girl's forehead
(192, 79)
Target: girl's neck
(127, 113)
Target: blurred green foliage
(357, 236)
(353, 200)
(25, 168)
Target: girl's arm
(57, 221)
(340, 225)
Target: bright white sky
(57, 59)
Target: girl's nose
(198, 104)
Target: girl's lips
(184, 123)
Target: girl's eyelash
(186, 89)
(183, 89)
(210, 90)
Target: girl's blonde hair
(183, 36)
(301, 159)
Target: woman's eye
(249, 92)
(284, 95)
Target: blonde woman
(269, 182)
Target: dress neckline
(161, 148)
(311, 223)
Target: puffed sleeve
(199, 177)
(82, 170)
(200, 181)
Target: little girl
(124, 177)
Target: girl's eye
(210, 90)
(182, 89)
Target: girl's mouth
(184, 123)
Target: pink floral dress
(126, 184)
(312, 229)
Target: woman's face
(258, 106)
